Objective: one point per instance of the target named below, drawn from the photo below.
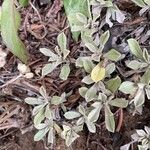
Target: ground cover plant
(75, 74)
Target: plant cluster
(101, 81)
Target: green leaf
(48, 68)
(72, 8)
(146, 55)
(49, 53)
(91, 126)
(83, 91)
(91, 94)
(56, 100)
(82, 18)
(147, 90)
(48, 112)
(23, 2)
(135, 64)
(33, 101)
(104, 38)
(113, 84)
(62, 42)
(128, 87)
(119, 102)
(110, 68)
(109, 119)
(72, 115)
(40, 134)
(65, 71)
(135, 49)
(87, 80)
(146, 77)
(39, 117)
(10, 22)
(113, 55)
(42, 91)
(139, 3)
(147, 2)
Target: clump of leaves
(138, 90)
(57, 59)
(44, 113)
(104, 98)
(10, 22)
(142, 137)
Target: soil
(39, 29)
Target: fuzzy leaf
(23, 2)
(119, 102)
(33, 101)
(147, 90)
(51, 136)
(82, 18)
(56, 100)
(91, 126)
(128, 87)
(83, 91)
(104, 38)
(110, 68)
(91, 94)
(42, 91)
(135, 48)
(72, 8)
(109, 119)
(87, 80)
(113, 55)
(98, 73)
(72, 115)
(39, 117)
(113, 84)
(135, 64)
(10, 22)
(146, 77)
(65, 71)
(48, 68)
(40, 134)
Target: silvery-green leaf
(119, 102)
(91, 47)
(146, 55)
(108, 16)
(39, 117)
(135, 64)
(80, 121)
(110, 68)
(147, 90)
(83, 91)
(41, 126)
(51, 136)
(65, 71)
(94, 114)
(76, 28)
(139, 98)
(104, 38)
(56, 100)
(146, 77)
(128, 87)
(42, 91)
(49, 53)
(96, 57)
(71, 137)
(139, 3)
(81, 18)
(87, 80)
(48, 112)
(113, 55)
(82, 110)
(72, 115)
(40, 134)
(91, 94)
(113, 84)
(88, 65)
(62, 41)
(109, 119)
(91, 126)
(142, 147)
(102, 97)
(135, 48)
(34, 101)
(48, 68)
(37, 109)
(65, 53)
